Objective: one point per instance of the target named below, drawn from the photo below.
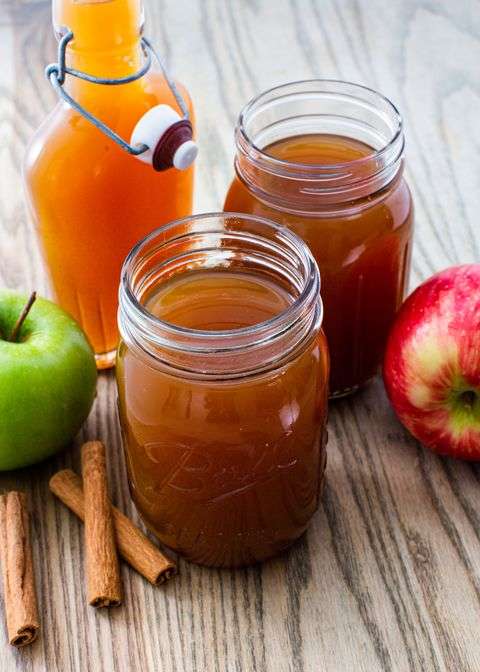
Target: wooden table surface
(388, 576)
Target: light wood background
(388, 577)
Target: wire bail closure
(56, 72)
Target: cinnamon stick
(103, 573)
(132, 544)
(17, 569)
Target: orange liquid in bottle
(225, 472)
(363, 254)
(91, 200)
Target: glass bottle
(91, 200)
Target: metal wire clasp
(56, 72)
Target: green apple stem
(21, 318)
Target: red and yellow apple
(432, 363)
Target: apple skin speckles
(432, 363)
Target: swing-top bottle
(91, 198)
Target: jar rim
(309, 167)
(256, 334)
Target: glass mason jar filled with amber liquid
(222, 376)
(325, 158)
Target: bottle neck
(106, 35)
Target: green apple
(47, 380)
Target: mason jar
(222, 374)
(325, 159)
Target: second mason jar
(222, 378)
(325, 158)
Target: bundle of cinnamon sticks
(108, 532)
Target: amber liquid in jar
(363, 253)
(226, 471)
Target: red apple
(432, 363)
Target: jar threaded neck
(315, 107)
(223, 242)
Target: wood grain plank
(388, 577)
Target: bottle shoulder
(154, 84)
(65, 130)
(40, 138)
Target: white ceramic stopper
(151, 128)
(185, 155)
